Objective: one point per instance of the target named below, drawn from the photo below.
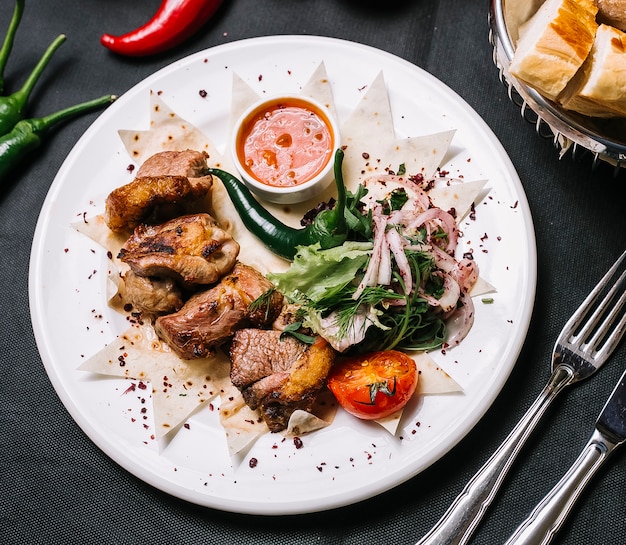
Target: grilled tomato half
(374, 385)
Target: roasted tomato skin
(373, 385)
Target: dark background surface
(57, 487)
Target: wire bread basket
(571, 133)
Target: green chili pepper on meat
(7, 45)
(27, 133)
(329, 228)
(12, 106)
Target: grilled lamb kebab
(168, 184)
(278, 374)
(210, 318)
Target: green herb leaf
(293, 329)
(383, 388)
(263, 301)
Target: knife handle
(458, 523)
(548, 517)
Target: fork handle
(462, 517)
(548, 517)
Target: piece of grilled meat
(192, 249)
(152, 295)
(188, 163)
(168, 184)
(211, 317)
(278, 376)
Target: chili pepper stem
(26, 135)
(7, 45)
(42, 124)
(22, 95)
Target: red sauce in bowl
(285, 142)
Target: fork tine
(607, 303)
(577, 319)
(615, 335)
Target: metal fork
(585, 343)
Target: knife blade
(612, 420)
(550, 514)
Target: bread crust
(599, 88)
(554, 44)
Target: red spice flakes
(472, 214)
(130, 389)
(130, 167)
(253, 462)
(417, 178)
(260, 77)
(202, 93)
(298, 442)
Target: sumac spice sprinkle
(253, 462)
(298, 442)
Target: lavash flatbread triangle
(366, 156)
(167, 132)
(178, 386)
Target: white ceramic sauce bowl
(284, 135)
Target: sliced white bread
(553, 44)
(599, 88)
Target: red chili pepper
(174, 21)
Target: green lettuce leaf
(314, 272)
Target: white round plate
(350, 460)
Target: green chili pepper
(27, 133)
(329, 228)
(5, 51)
(12, 106)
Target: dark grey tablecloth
(57, 487)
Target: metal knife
(548, 517)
